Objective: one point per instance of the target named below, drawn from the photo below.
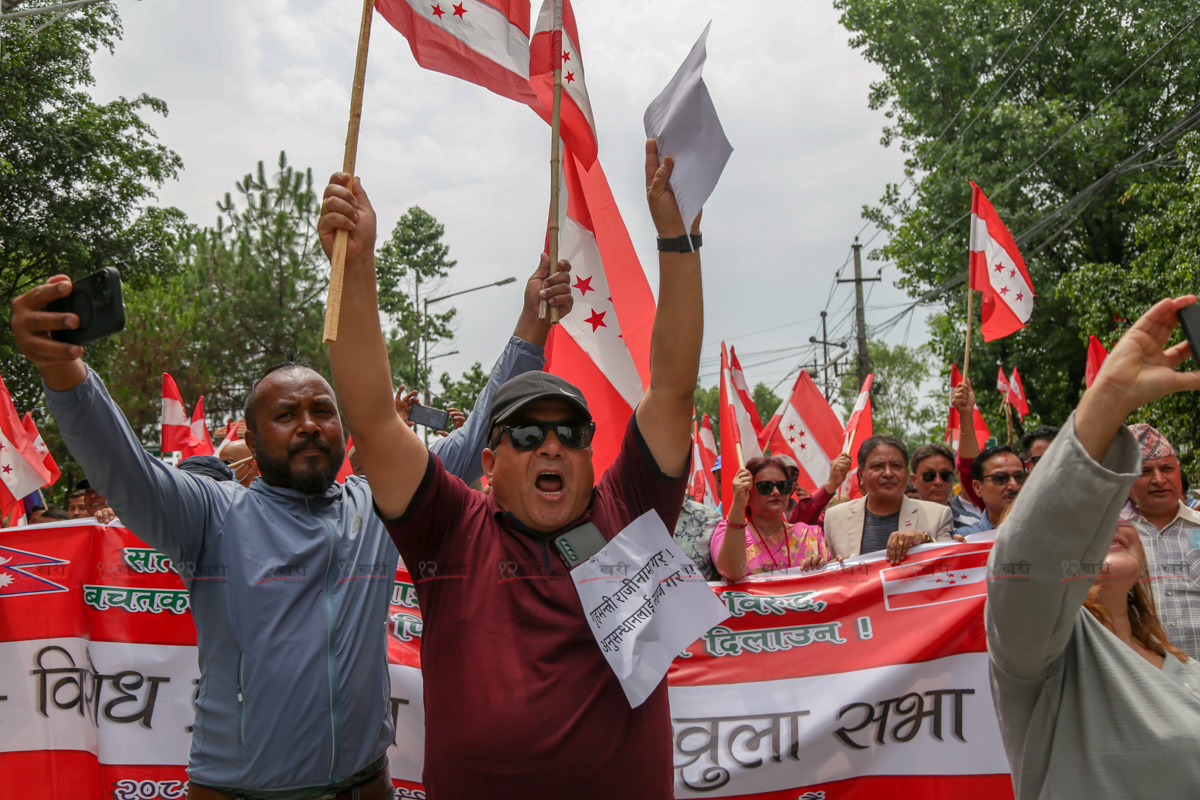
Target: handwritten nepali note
(645, 602)
(684, 122)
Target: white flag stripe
(737, 381)
(601, 342)
(935, 580)
(1003, 273)
(576, 86)
(483, 29)
(15, 470)
(173, 413)
(808, 452)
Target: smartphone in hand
(430, 417)
(96, 300)
(1189, 319)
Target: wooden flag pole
(970, 324)
(237, 464)
(337, 264)
(741, 458)
(545, 310)
(1008, 418)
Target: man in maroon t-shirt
(519, 700)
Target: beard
(307, 480)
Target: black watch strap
(680, 244)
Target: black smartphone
(579, 544)
(430, 417)
(96, 300)
(1189, 318)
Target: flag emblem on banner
(935, 581)
(15, 578)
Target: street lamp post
(425, 324)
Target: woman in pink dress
(768, 543)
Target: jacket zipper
(333, 705)
(241, 701)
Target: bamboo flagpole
(337, 264)
(970, 324)
(545, 310)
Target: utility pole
(864, 365)
(824, 342)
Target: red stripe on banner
(900, 787)
(52, 775)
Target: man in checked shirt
(1170, 534)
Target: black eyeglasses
(529, 434)
(945, 474)
(765, 487)
(1002, 478)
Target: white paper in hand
(684, 122)
(645, 602)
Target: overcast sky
(245, 79)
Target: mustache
(319, 444)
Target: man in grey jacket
(293, 696)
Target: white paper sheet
(684, 122)
(645, 602)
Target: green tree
(897, 406)
(76, 177)
(461, 393)
(707, 400)
(411, 267)
(766, 401)
(1054, 112)
(1166, 262)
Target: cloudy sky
(247, 79)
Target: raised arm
(1055, 539)
(461, 451)
(665, 414)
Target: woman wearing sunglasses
(1092, 698)
(768, 543)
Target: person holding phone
(1092, 697)
(519, 699)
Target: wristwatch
(681, 244)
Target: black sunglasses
(1002, 478)
(529, 434)
(946, 475)
(764, 487)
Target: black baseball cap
(522, 390)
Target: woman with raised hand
(760, 537)
(1092, 698)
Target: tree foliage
(461, 393)
(1056, 112)
(77, 177)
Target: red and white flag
(1001, 383)
(346, 469)
(1095, 358)
(997, 270)
(1016, 393)
(708, 444)
(954, 425)
(859, 428)
(702, 487)
(176, 427)
(806, 428)
(546, 50)
(740, 424)
(201, 443)
(230, 436)
(485, 42)
(602, 346)
(22, 467)
(39, 445)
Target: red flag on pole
(346, 470)
(807, 429)
(576, 124)
(997, 270)
(738, 422)
(953, 425)
(1016, 393)
(486, 43)
(200, 443)
(22, 469)
(176, 427)
(859, 428)
(1001, 382)
(1095, 358)
(39, 445)
(702, 487)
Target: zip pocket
(241, 701)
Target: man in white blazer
(884, 519)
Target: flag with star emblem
(1016, 394)
(806, 428)
(590, 347)
(485, 42)
(22, 471)
(40, 446)
(954, 425)
(576, 124)
(1095, 358)
(997, 270)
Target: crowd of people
(547, 718)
